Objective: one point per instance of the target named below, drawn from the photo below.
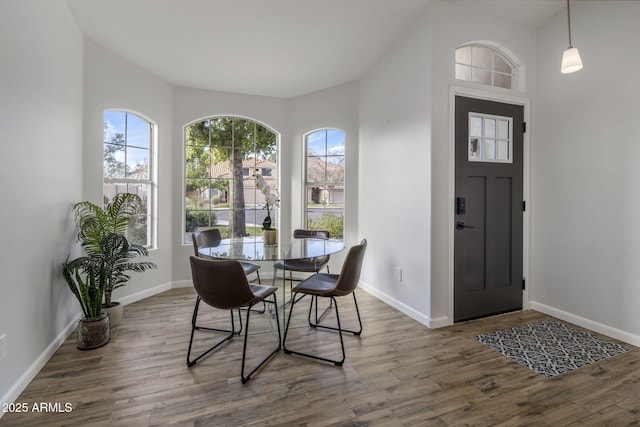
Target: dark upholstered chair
(212, 238)
(305, 265)
(223, 285)
(332, 286)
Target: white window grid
(474, 69)
(485, 146)
(124, 184)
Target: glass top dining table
(253, 249)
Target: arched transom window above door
(485, 65)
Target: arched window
(485, 65)
(223, 155)
(324, 181)
(128, 167)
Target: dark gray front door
(488, 208)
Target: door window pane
(490, 138)
(475, 126)
(489, 149)
(489, 128)
(503, 129)
(503, 150)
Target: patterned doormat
(550, 348)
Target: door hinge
(524, 206)
(524, 127)
(524, 283)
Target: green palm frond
(123, 207)
(81, 279)
(109, 255)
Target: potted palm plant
(109, 255)
(93, 329)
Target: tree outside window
(222, 156)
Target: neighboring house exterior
(250, 167)
(325, 193)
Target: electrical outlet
(3, 347)
(398, 272)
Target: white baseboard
(586, 323)
(182, 284)
(405, 309)
(145, 294)
(33, 370)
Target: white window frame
(150, 182)
(483, 138)
(307, 184)
(275, 173)
(491, 70)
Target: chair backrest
(318, 234)
(317, 262)
(205, 239)
(221, 283)
(350, 273)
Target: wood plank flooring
(398, 373)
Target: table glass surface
(254, 249)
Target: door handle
(460, 225)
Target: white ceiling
(281, 48)
(529, 13)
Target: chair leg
(198, 328)
(313, 356)
(314, 301)
(264, 306)
(244, 378)
(194, 327)
(319, 318)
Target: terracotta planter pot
(93, 333)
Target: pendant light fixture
(571, 61)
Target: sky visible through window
(136, 131)
(334, 144)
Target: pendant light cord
(569, 22)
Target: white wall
(406, 160)
(113, 83)
(586, 204)
(452, 27)
(395, 179)
(41, 175)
